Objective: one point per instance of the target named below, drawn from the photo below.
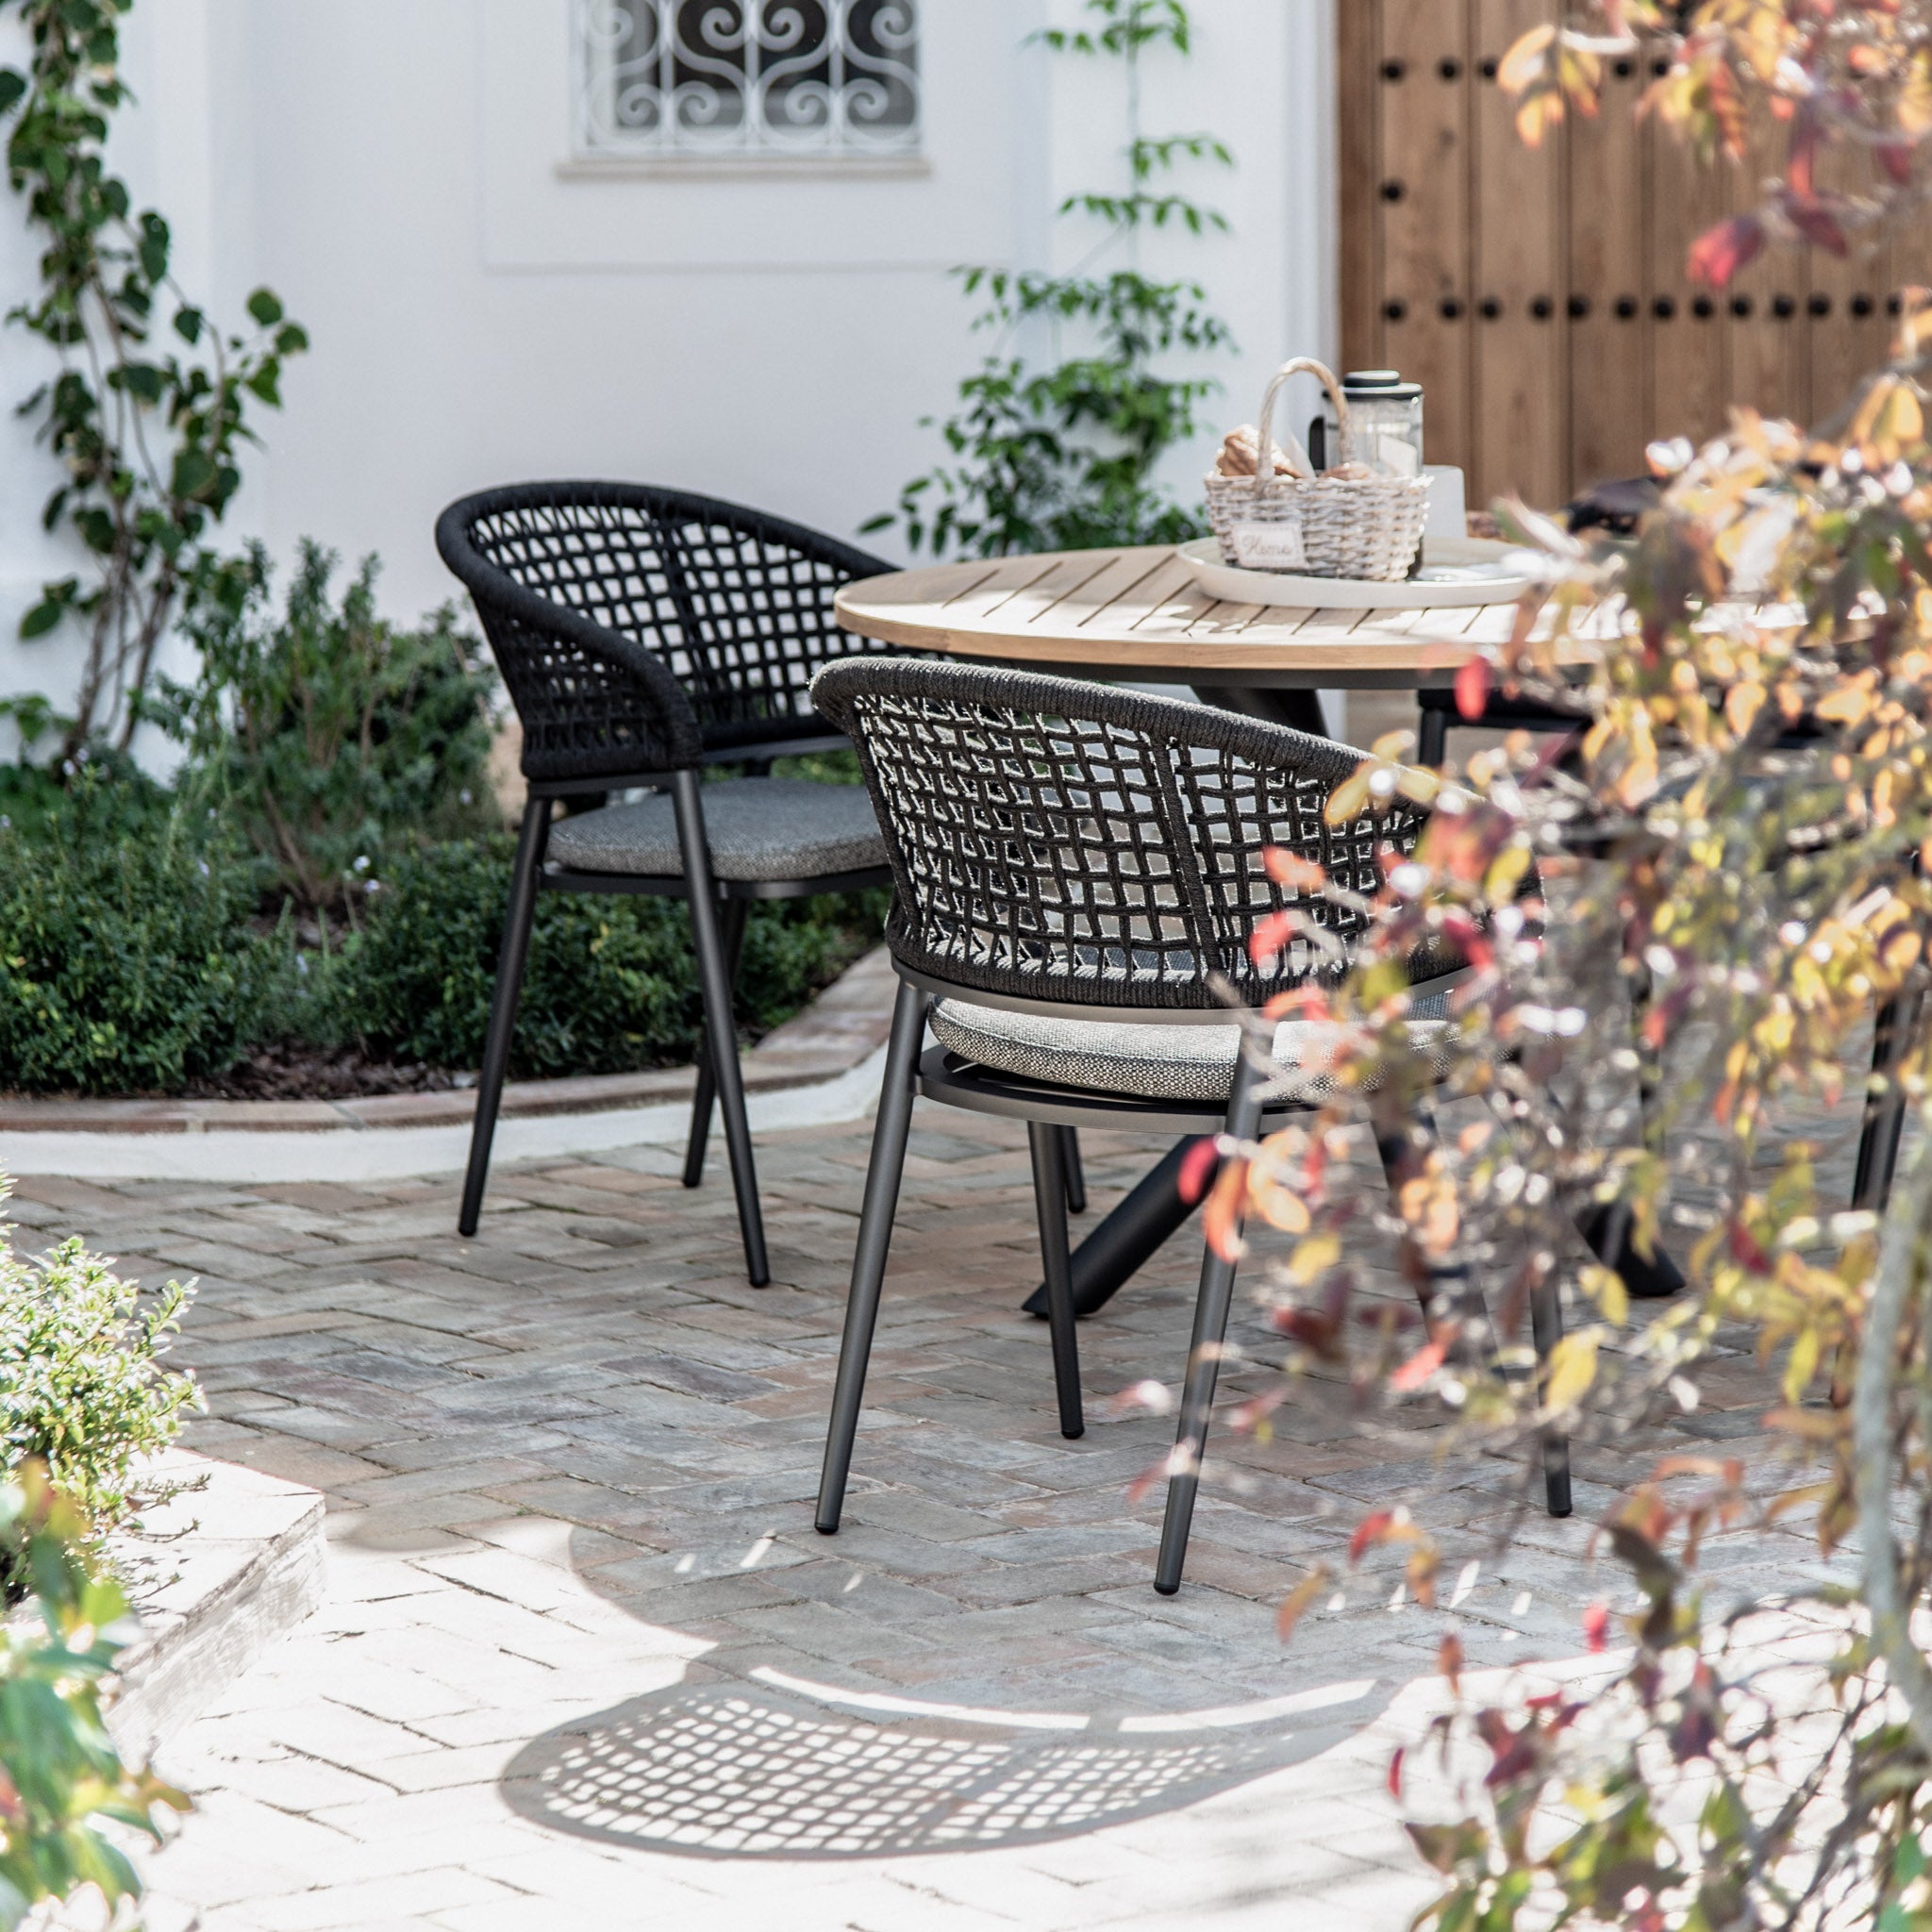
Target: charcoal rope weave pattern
(1057, 840)
(639, 628)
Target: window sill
(744, 168)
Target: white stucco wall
(481, 313)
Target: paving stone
(571, 1468)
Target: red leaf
(1746, 1251)
(1417, 1367)
(1395, 1772)
(1221, 1220)
(1818, 222)
(1312, 1330)
(1719, 253)
(1199, 1165)
(1449, 1661)
(1269, 936)
(1596, 1626)
(1473, 688)
(1895, 157)
(1368, 1531)
(1801, 173)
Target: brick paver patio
(585, 1660)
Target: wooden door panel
(1608, 318)
(1425, 191)
(1850, 329)
(1689, 384)
(1522, 400)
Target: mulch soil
(307, 1073)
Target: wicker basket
(1368, 528)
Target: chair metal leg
(1076, 1174)
(1203, 1361)
(732, 930)
(1546, 1327)
(718, 1020)
(1893, 1035)
(1129, 1235)
(1048, 1146)
(889, 1129)
(511, 961)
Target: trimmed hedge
(611, 984)
(128, 960)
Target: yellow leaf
(1295, 1604)
(1348, 798)
(1742, 703)
(1524, 64)
(1312, 1259)
(1915, 96)
(1802, 1365)
(1541, 110)
(1605, 1287)
(1572, 1369)
(1280, 1207)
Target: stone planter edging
(821, 1066)
(229, 1564)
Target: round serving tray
(1455, 571)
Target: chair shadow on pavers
(747, 1770)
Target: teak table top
(1135, 612)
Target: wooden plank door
(1542, 297)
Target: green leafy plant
(148, 435)
(324, 733)
(127, 960)
(1066, 457)
(84, 1386)
(60, 1775)
(611, 985)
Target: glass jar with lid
(1385, 416)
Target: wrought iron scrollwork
(751, 77)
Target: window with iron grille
(761, 79)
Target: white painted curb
(375, 1153)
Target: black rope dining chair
(1076, 873)
(643, 634)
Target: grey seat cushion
(1150, 1063)
(759, 828)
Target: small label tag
(1270, 547)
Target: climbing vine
(147, 427)
(1066, 456)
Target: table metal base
(1154, 1211)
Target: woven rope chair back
(736, 606)
(1058, 841)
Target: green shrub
(83, 1386)
(611, 985)
(61, 1773)
(326, 734)
(126, 960)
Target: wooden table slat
(1010, 574)
(1027, 604)
(1146, 594)
(1095, 600)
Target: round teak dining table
(1140, 615)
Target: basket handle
(1297, 456)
